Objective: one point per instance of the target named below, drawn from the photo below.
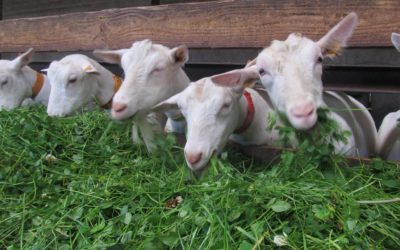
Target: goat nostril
(118, 107)
(193, 158)
(310, 112)
(303, 111)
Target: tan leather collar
(117, 85)
(37, 87)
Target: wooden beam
(181, 1)
(23, 8)
(217, 24)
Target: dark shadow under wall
(382, 104)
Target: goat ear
(396, 40)
(332, 43)
(167, 105)
(237, 79)
(251, 62)
(88, 67)
(180, 54)
(110, 56)
(228, 79)
(23, 59)
(53, 64)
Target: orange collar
(250, 114)
(117, 85)
(37, 87)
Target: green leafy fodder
(101, 191)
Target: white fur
(76, 82)
(396, 41)
(16, 82)
(291, 72)
(388, 145)
(153, 73)
(214, 111)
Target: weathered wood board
(179, 1)
(216, 24)
(26, 8)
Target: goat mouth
(198, 166)
(203, 163)
(122, 115)
(303, 123)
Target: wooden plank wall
(25, 8)
(218, 24)
(161, 2)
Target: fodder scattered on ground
(79, 183)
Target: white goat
(388, 145)
(218, 108)
(20, 85)
(78, 81)
(291, 72)
(153, 73)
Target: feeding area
(194, 125)
(80, 183)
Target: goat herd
(157, 94)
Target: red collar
(117, 85)
(249, 116)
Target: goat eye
(319, 60)
(262, 72)
(4, 82)
(156, 70)
(226, 105)
(72, 80)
